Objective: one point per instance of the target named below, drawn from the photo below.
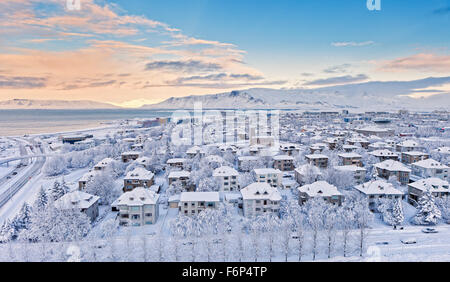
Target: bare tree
(363, 218)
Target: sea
(21, 122)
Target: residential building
(246, 162)
(307, 173)
(350, 159)
(283, 162)
(194, 151)
(227, 178)
(320, 189)
(78, 200)
(139, 177)
(438, 187)
(192, 203)
(176, 162)
(318, 160)
(389, 168)
(271, 176)
(378, 189)
(137, 207)
(260, 198)
(181, 177)
(130, 156)
(384, 154)
(103, 164)
(430, 168)
(88, 176)
(413, 156)
(407, 146)
(359, 173)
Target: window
(135, 216)
(148, 214)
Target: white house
(384, 154)
(430, 168)
(84, 202)
(103, 164)
(320, 189)
(389, 168)
(137, 207)
(378, 189)
(139, 177)
(260, 198)
(227, 177)
(438, 187)
(192, 203)
(407, 146)
(309, 172)
(359, 173)
(268, 175)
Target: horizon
(130, 54)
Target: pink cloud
(417, 62)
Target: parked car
(382, 243)
(429, 230)
(409, 241)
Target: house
(194, 151)
(317, 147)
(413, 156)
(283, 162)
(245, 162)
(375, 131)
(320, 189)
(438, 187)
(192, 203)
(318, 160)
(181, 177)
(349, 148)
(389, 168)
(358, 140)
(379, 146)
(137, 207)
(103, 164)
(407, 146)
(139, 177)
(384, 154)
(350, 159)
(130, 156)
(176, 162)
(83, 181)
(332, 143)
(78, 200)
(260, 198)
(359, 173)
(430, 168)
(227, 177)
(378, 189)
(308, 173)
(289, 148)
(270, 176)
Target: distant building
(359, 173)
(320, 189)
(84, 202)
(270, 176)
(227, 177)
(139, 177)
(260, 198)
(283, 162)
(130, 156)
(378, 189)
(318, 160)
(384, 154)
(438, 187)
(389, 168)
(413, 156)
(350, 159)
(192, 203)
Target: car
(14, 173)
(429, 230)
(382, 243)
(294, 236)
(409, 241)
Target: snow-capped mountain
(364, 96)
(53, 104)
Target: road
(15, 184)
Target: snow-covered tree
(444, 206)
(55, 166)
(346, 222)
(41, 201)
(427, 211)
(103, 186)
(363, 218)
(57, 190)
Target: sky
(132, 52)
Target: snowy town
(247, 186)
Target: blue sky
(216, 45)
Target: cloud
(18, 82)
(337, 69)
(338, 80)
(417, 62)
(183, 66)
(352, 43)
(442, 11)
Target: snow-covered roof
(76, 200)
(320, 188)
(260, 171)
(378, 187)
(199, 197)
(392, 165)
(316, 156)
(214, 158)
(131, 153)
(257, 190)
(105, 162)
(178, 174)
(352, 168)
(383, 153)
(373, 129)
(137, 197)
(443, 150)
(433, 184)
(175, 160)
(350, 155)
(429, 163)
(346, 146)
(379, 145)
(140, 173)
(248, 158)
(408, 143)
(195, 150)
(283, 158)
(88, 176)
(143, 160)
(415, 153)
(225, 171)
